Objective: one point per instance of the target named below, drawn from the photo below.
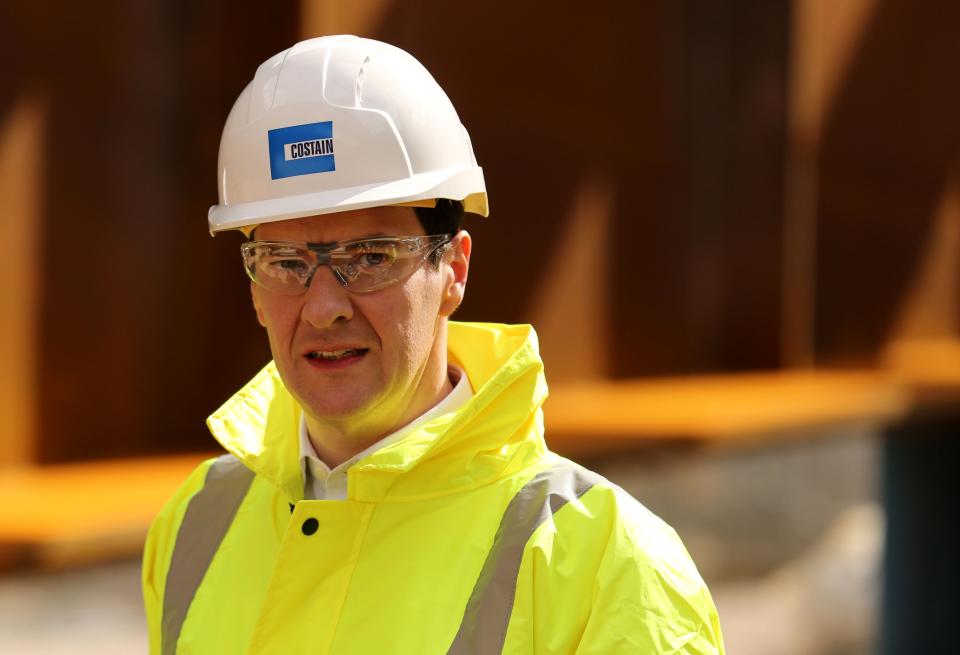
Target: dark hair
(444, 218)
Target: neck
(336, 441)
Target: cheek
(279, 319)
(413, 323)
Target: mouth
(336, 355)
(332, 359)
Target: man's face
(394, 338)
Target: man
(388, 489)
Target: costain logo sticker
(301, 150)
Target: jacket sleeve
(606, 576)
(158, 550)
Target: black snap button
(310, 526)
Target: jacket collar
(499, 432)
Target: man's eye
(374, 258)
(281, 266)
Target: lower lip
(335, 364)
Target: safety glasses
(360, 265)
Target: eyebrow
(327, 244)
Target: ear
(456, 265)
(256, 304)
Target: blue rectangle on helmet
(301, 150)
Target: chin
(334, 406)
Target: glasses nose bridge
(322, 257)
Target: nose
(326, 301)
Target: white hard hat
(339, 123)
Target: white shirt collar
(322, 483)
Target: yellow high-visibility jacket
(466, 536)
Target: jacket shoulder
(626, 578)
(158, 549)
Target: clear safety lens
(361, 265)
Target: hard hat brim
(466, 185)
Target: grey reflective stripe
(206, 521)
(484, 626)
